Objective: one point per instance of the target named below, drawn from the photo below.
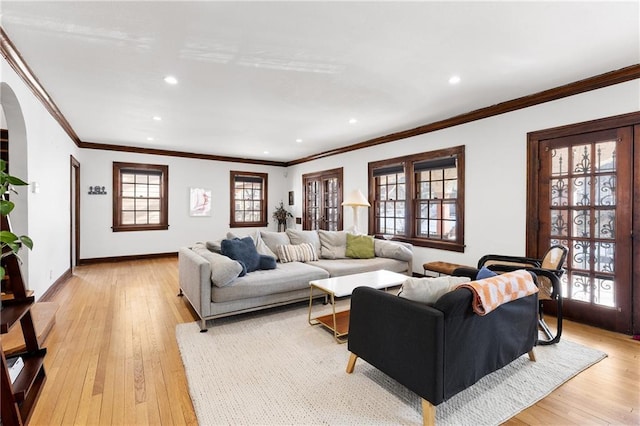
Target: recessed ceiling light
(266, 152)
(170, 80)
(149, 138)
(352, 121)
(157, 118)
(455, 79)
(299, 140)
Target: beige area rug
(272, 367)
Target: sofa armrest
(398, 250)
(194, 274)
(402, 338)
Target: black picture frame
(291, 198)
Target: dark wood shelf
(11, 314)
(17, 399)
(29, 376)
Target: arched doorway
(17, 136)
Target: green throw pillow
(360, 247)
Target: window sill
(435, 244)
(126, 228)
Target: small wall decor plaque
(97, 190)
(200, 202)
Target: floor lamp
(355, 200)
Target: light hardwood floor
(113, 359)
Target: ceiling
(255, 77)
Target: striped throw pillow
(304, 252)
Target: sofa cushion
(285, 278)
(341, 267)
(392, 250)
(299, 237)
(428, 290)
(360, 246)
(333, 244)
(274, 239)
(223, 269)
(304, 252)
(214, 246)
(243, 250)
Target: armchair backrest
(554, 258)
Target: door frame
(74, 210)
(533, 167)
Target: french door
(585, 201)
(323, 200)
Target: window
(323, 200)
(420, 198)
(140, 197)
(248, 199)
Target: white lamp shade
(355, 198)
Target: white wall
(98, 240)
(47, 163)
(495, 155)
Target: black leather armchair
(437, 351)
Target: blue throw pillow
(243, 250)
(267, 262)
(485, 272)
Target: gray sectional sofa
(210, 281)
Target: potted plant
(281, 215)
(9, 242)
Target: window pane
(141, 204)
(128, 178)
(128, 218)
(451, 189)
(451, 173)
(154, 218)
(154, 179)
(142, 218)
(142, 178)
(128, 190)
(154, 191)
(141, 190)
(128, 203)
(154, 205)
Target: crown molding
(17, 62)
(181, 154)
(622, 75)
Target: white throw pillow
(333, 244)
(429, 290)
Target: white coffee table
(338, 322)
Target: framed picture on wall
(200, 202)
(291, 201)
